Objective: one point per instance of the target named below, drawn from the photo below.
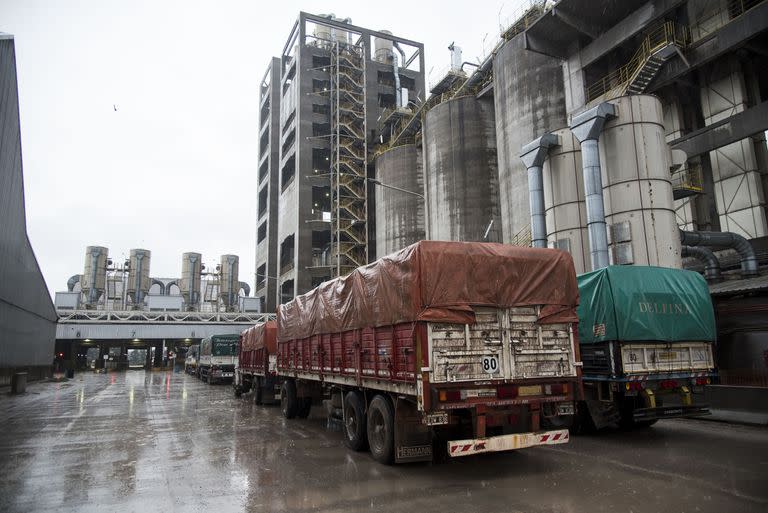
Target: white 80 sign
(491, 364)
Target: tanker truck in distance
(460, 346)
(646, 336)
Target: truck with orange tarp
(458, 347)
(257, 369)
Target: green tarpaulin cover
(639, 303)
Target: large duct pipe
(586, 127)
(711, 264)
(533, 155)
(72, 281)
(137, 278)
(93, 292)
(724, 240)
(398, 89)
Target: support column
(533, 155)
(587, 127)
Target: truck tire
(381, 429)
(582, 422)
(258, 393)
(289, 403)
(238, 390)
(355, 435)
(305, 406)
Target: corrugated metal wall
(27, 315)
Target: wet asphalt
(140, 442)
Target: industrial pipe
(587, 127)
(398, 88)
(533, 155)
(246, 288)
(137, 279)
(724, 240)
(93, 293)
(72, 281)
(711, 264)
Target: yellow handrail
(669, 33)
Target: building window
(288, 172)
(262, 234)
(263, 200)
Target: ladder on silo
(349, 196)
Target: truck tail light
(450, 395)
(668, 384)
(635, 385)
(558, 389)
(506, 392)
(703, 381)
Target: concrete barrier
(739, 404)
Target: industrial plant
(121, 286)
(626, 133)
(567, 235)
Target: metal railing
(688, 179)
(523, 237)
(719, 17)
(137, 316)
(669, 33)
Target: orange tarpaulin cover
(436, 281)
(260, 335)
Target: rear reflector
(450, 395)
(668, 383)
(702, 381)
(506, 392)
(561, 388)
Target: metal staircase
(635, 76)
(349, 198)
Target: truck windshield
(224, 348)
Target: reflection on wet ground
(140, 441)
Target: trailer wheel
(258, 397)
(355, 436)
(289, 403)
(381, 429)
(582, 422)
(305, 406)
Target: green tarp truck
(645, 337)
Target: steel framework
(349, 196)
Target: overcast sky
(139, 119)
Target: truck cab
(218, 358)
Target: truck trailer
(473, 344)
(257, 363)
(218, 357)
(646, 336)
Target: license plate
(226, 374)
(436, 419)
(478, 392)
(529, 390)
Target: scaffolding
(349, 196)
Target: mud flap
(413, 438)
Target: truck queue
(454, 348)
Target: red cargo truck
(470, 343)
(257, 368)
